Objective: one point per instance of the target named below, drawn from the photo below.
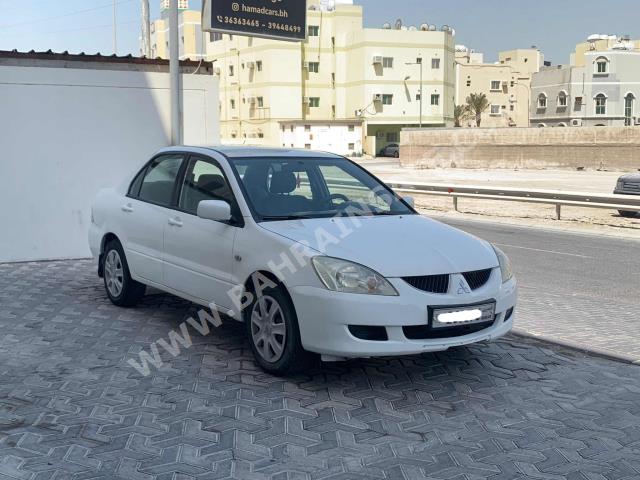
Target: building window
(542, 101)
(628, 109)
(307, 146)
(495, 85)
(233, 104)
(562, 99)
(393, 137)
(418, 97)
(231, 70)
(215, 36)
(387, 99)
(602, 65)
(259, 65)
(260, 102)
(495, 109)
(601, 104)
(352, 128)
(387, 62)
(314, 102)
(468, 82)
(352, 147)
(314, 31)
(260, 135)
(314, 67)
(435, 99)
(435, 63)
(307, 128)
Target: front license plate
(465, 315)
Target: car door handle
(127, 208)
(175, 222)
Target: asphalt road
(576, 287)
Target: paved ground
(72, 408)
(576, 288)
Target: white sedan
(313, 253)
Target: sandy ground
(585, 220)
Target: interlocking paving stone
(71, 407)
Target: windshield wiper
(287, 217)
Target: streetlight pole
(115, 28)
(174, 72)
(419, 63)
(145, 47)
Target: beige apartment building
(506, 83)
(602, 43)
(347, 89)
(192, 41)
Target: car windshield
(295, 188)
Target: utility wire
(70, 14)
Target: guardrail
(560, 199)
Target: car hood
(631, 177)
(395, 246)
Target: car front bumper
(324, 318)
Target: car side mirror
(410, 201)
(216, 210)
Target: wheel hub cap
(113, 273)
(268, 329)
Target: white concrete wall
(66, 133)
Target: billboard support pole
(174, 69)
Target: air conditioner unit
(305, 100)
(576, 122)
(377, 97)
(636, 121)
(251, 65)
(377, 60)
(305, 65)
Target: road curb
(600, 352)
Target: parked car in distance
(349, 269)
(391, 150)
(628, 185)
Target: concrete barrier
(612, 148)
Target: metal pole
(421, 91)
(174, 69)
(115, 28)
(145, 47)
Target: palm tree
(460, 113)
(477, 103)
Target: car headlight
(348, 277)
(505, 265)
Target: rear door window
(159, 182)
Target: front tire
(122, 290)
(274, 336)
(627, 214)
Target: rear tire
(121, 289)
(627, 214)
(274, 335)
(396, 155)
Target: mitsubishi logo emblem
(463, 289)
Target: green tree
(460, 114)
(477, 103)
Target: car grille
(424, 332)
(440, 283)
(430, 283)
(477, 279)
(631, 187)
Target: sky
(487, 26)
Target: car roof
(244, 151)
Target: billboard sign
(276, 19)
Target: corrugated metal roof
(49, 55)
